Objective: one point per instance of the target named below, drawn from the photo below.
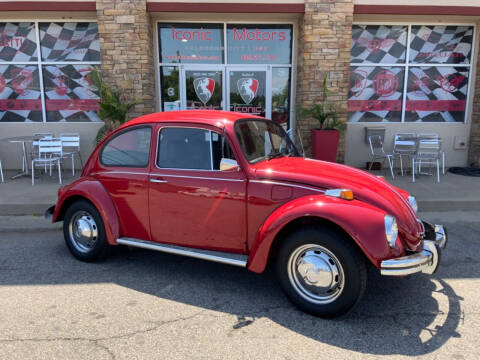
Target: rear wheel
(321, 272)
(84, 232)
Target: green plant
(114, 106)
(324, 112)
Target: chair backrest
(428, 136)
(39, 136)
(404, 143)
(70, 141)
(50, 146)
(429, 149)
(376, 145)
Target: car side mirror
(228, 165)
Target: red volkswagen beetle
(232, 188)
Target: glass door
(249, 91)
(203, 87)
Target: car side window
(129, 148)
(191, 149)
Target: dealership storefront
(403, 73)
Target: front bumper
(48, 215)
(426, 260)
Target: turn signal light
(381, 177)
(345, 194)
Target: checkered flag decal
(17, 42)
(19, 94)
(378, 44)
(69, 94)
(441, 44)
(436, 94)
(69, 42)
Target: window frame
(157, 151)
(407, 64)
(130, 128)
(40, 63)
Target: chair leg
(59, 172)
(369, 168)
(1, 172)
(401, 165)
(438, 170)
(73, 165)
(443, 162)
(413, 169)
(390, 163)
(33, 173)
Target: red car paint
(242, 216)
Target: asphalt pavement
(140, 304)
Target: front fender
(363, 222)
(92, 190)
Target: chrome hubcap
(316, 274)
(83, 231)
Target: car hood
(365, 186)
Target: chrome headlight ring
(413, 203)
(391, 230)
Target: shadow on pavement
(408, 316)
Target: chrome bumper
(426, 260)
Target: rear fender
(363, 222)
(93, 191)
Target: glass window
(435, 91)
(191, 43)
(69, 41)
(204, 90)
(169, 77)
(281, 96)
(130, 148)
(247, 92)
(20, 96)
(184, 148)
(220, 150)
(259, 44)
(18, 42)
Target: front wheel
(321, 271)
(84, 232)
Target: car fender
(92, 190)
(363, 222)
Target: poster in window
(69, 41)
(379, 44)
(204, 90)
(69, 93)
(375, 94)
(436, 94)
(441, 44)
(20, 96)
(17, 42)
(247, 92)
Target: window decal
(17, 42)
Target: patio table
(23, 140)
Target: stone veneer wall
(324, 46)
(126, 50)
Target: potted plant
(326, 136)
(113, 106)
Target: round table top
(19, 139)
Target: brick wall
(474, 143)
(126, 50)
(324, 46)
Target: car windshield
(263, 140)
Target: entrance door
(249, 91)
(203, 87)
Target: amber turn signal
(345, 194)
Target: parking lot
(142, 304)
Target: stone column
(324, 47)
(126, 48)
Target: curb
(27, 224)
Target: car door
(123, 169)
(193, 203)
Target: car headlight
(391, 230)
(413, 202)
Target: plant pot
(325, 144)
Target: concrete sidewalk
(454, 193)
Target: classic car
(232, 188)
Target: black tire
(91, 218)
(347, 280)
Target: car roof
(208, 117)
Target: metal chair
(404, 145)
(433, 136)
(378, 152)
(428, 152)
(1, 171)
(49, 153)
(70, 148)
(34, 149)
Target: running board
(217, 256)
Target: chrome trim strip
(158, 181)
(121, 172)
(195, 177)
(286, 184)
(216, 256)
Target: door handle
(161, 181)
